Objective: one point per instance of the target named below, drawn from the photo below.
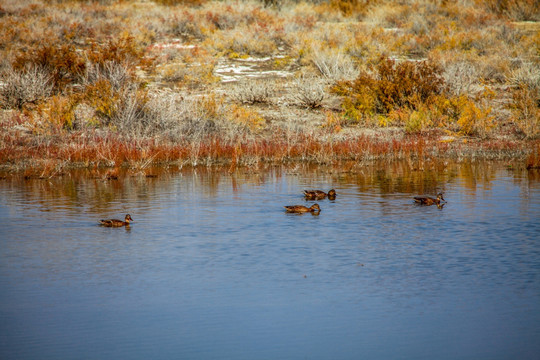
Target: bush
(253, 91)
(475, 120)
(19, 88)
(334, 65)
(526, 110)
(123, 50)
(461, 77)
(520, 10)
(180, 2)
(103, 98)
(117, 74)
(464, 115)
(350, 7)
(132, 116)
(418, 120)
(309, 92)
(247, 120)
(525, 105)
(59, 112)
(65, 65)
(68, 65)
(391, 85)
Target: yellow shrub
(526, 110)
(418, 120)
(59, 111)
(247, 117)
(211, 106)
(101, 96)
(398, 117)
(475, 120)
(333, 122)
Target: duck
(116, 222)
(426, 200)
(319, 194)
(302, 208)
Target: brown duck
(426, 200)
(116, 222)
(302, 208)
(319, 195)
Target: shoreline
(53, 154)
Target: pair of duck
(312, 195)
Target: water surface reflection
(213, 267)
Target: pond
(214, 268)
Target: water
(213, 268)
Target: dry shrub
(192, 119)
(254, 91)
(105, 85)
(174, 73)
(334, 65)
(414, 95)
(249, 40)
(349, 7)
(462, 77)
(132, 116)
(27, 86)
(117, 74)
(390, 85)
(332, 122)
(533, 160)
(309, 91)
(65, 65)
(68, 65)
(520, 10)
(121, 50)
(181, 2)
(526, 75)
(186, 26)
(525, 108)
(525, 105)
(389, 15)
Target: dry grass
(24, 87)
(254, 91)
(128, 82)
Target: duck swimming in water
(116, 222)
(426, 200)
(319, 194)
(302, 208)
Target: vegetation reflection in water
(214, 268)
(97, 190)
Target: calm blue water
(213, 268)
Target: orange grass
(111, 150)
(533, 161)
